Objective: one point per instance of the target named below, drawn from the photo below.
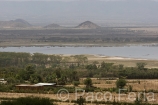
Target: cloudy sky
(72, 12)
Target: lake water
(144, 52)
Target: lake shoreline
(111, 57)
(125, 52)
(79, 45)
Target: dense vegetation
(19, 68)
(46, 101)
(28, 101)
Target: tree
(76, 83)
(120, 83)
(88, 82)
(130, 88)
(137, 101)
(30, 69)
(91, 67)
(80, 59)
(121, 67)
(141, 65)
(80, 101)
(35, 78)
(58, 73)
(106, 66)
(28, 101)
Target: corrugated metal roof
(26, 85)
(38, 84)
(46, 84)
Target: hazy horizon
(73, 12)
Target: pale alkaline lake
(144, 52)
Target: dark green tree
(141, 65)
(28, 101)
(30, 70)
(76, 83)
(80, 101)
(88, 82)
(120, 83)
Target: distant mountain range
(18, 23)
(108, 13)
(84, 25)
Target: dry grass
(127, 62)
(151, 29)
(138, 85)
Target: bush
(69, 89)
(130, 88)
(90, 89)
(121, 83)
(28, 101)
(76, 83)
(80, 101)
(4, 88)
(88, 82)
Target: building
(46, 84)
(38, 86)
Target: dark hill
(18, 23)
(88, 25)
(53, 26)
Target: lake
(144, 52)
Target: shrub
(80, 101)
(130, 88)
(28, 101)
(76, 83)
(88, 82)
(121, 83)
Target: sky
(72, 12)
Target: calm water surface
(126, 51)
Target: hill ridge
(52, 26)
(88, 25)
(18, 23)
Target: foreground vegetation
(19, 68)
(79, 101)
(28, 101)
(71, 72)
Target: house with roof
(38, 86)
